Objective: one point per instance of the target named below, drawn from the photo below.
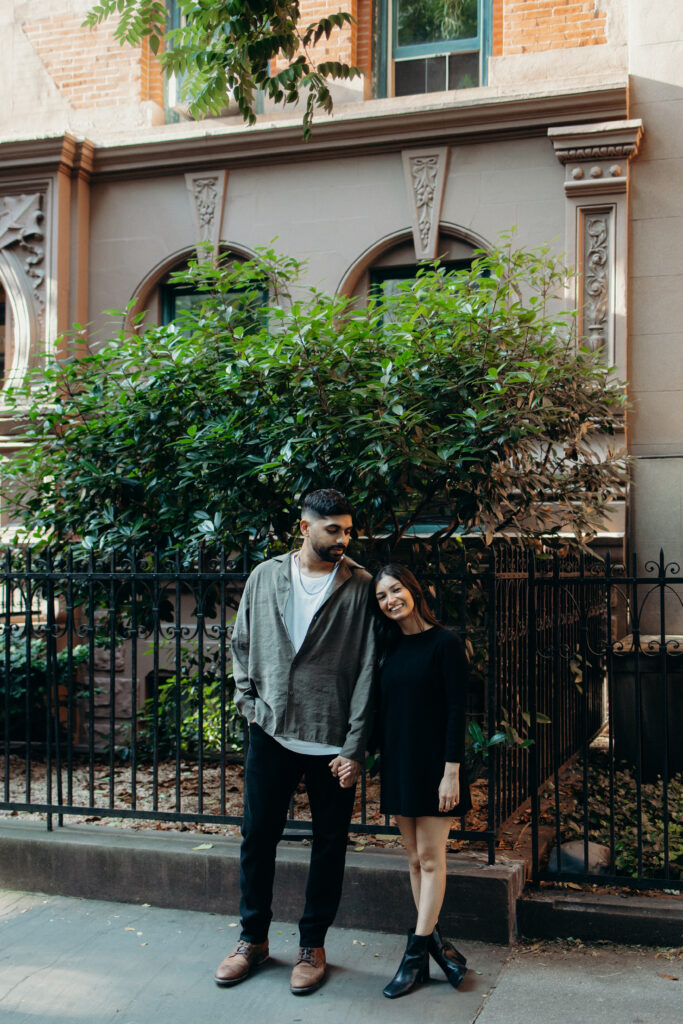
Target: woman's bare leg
(408, 835)
(431, 835)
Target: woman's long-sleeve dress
(423, 693)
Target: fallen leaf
(358, 849)
(669, 977)
(203, 846)
(357, 942)
(127, 929)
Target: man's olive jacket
(323, 692)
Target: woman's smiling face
(394, 599)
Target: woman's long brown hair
(388, 632)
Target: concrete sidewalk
(73, 961)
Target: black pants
(272, 773)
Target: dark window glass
(463, 70)
(410, 77)
(436, 74)
(435, 21)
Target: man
(303, 666)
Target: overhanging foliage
(234, 48)
(457, 400)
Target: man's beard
(332, 554)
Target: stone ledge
(97, 862)
(636, 920)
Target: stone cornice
(360, 134)
(39, 156)
(596, 156)
(606, 141)
(375, 129)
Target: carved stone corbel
(207, 197)
(425, 174)
(596, 160)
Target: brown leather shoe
(308, 973)
(239, 964)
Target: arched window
(392, 260)
(161, 299)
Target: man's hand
(449, 787)
(345, 770)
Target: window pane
(435, 21)
(463, 71)
(410, 77)
(436, 74)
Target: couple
(304, 661)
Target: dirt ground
(182, 795)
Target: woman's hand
(449, 787)
(345, 770)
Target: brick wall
(342, 44)
(532, 26)
(519, 26)
(90, 68)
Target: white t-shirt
(306, 595)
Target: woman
(423, 688)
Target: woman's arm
(455, 675)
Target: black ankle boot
(413, 969)
(452, 963)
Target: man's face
(329, 536)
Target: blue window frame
(434, 45)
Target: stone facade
(576, 140)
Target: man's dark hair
(326, 502)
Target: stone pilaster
(596, 160)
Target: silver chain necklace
(325, 581)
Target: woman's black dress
(423, 692)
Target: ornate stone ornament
(425, 173)
(21, 231)
(596, 263)
(596, 159)
(207, 196)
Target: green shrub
(172, 716)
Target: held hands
(449, 787)
(345, 770)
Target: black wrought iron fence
(606, 801)
(117, 690)
(116, 697)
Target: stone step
(636, 920)
(167, 870)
